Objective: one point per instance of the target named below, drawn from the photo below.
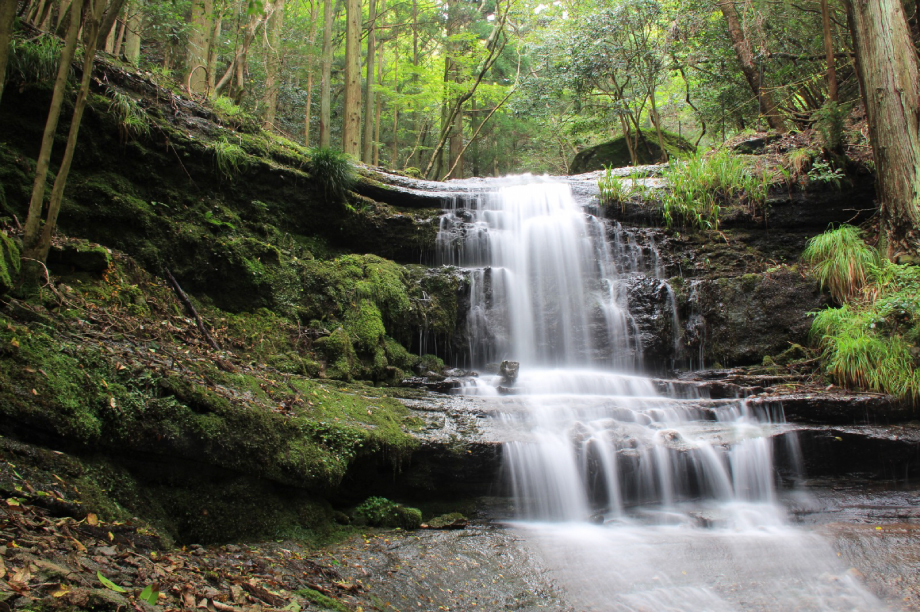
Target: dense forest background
(457, 88)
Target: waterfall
(682, 488)
(592, 438)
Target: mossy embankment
(214, 445)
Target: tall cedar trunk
(311, 64)
(351, 129)
(378, 107)
(135, 30)
(90, 39)
(7, 16)
(829, 53)
(370, 65)
(199, 40)
(887, 67)
(746, 58)
(273, 61)
(110, 39)
(656, 121)
(325, 102)
(32, 227)
(394, 144)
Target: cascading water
(589, 439)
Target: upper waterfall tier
(544, 286)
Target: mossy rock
(79, 256)
(9, 264)
(341, 360)
(616, 152)
(381, 512)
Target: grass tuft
(334, 171)
(699, 186)
(35, 61)
(230, 158)
(841, 261)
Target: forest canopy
(455, 88)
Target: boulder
(616, 152)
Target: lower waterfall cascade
(643, 494)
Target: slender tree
(273, 61)
(369, 65)
(33, 219)
(325, 112)
(887, 65)
(311, 64)
(829, 52)
(351, 129)
(135, 26)
(199, 41)
(749, 68)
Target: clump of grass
(699, 186)
(131, 117)
(614, 190)
(230, 158)
(35, 61)
(841, 261)
(801, 160)
(871, 341)
(334, 172)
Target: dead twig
(191, 310)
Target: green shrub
(840, 260)
(381, 512)
(830, 122)
(334, 172)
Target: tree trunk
(32, 227)
(7, 16)
(212, 48)
(237, 68)
(829, 52)
(887, 66)
(135, 29)
(107, 21)
(746, 58)
(311, 64)
(351, 130)
(91, 29)
(119, 39)
(273, 61)
(378, 107)
(199, 40)
(370, 65)
(325, 103)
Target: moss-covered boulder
(9, 264)
(616, 152)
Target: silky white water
(681, 490)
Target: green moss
(365, 325)
(381, 512)
(9, 264)
(615, 152)
(340, 355)
(326, 603)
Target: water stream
(642, 496)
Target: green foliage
(841, 261)
(132, 118)
(35, 61)
(699, 187)
(227, 107)
(334, 172)
(230, 158)
(830, 122)
(9, 263)
(822, 172)
(381, 512)
(614, 190)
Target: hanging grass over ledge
(701, 185)
(334, 171)
(871, 342)
(841, 261)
